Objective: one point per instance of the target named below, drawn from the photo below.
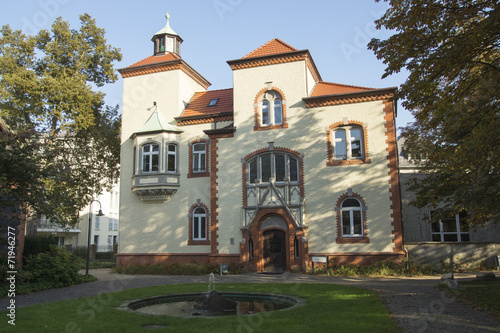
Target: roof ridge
(346, 85)
(274, 40)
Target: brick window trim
(192, 174)
(329, 145)
(190, 225)
(351, 240)
(257, 125)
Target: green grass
(329, 308)
(484, 295)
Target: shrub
(104, 255)
(57, 268)
(176, 269)
(34, 245)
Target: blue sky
(214, 31)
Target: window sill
(198, 174)
(270, 127)
(199, 242)
(352, 240)
(348, 162)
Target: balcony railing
(47, 226)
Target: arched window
(296, 247)
(199, 224)
(279, 166)
(150, 158)
(352, 218)
(270, 110)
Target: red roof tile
(328, 88)
(198, 106)
(156, 59)
(274, 46)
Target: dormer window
(270, 110)
(213, 102)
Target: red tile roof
(328, 88)
(198, 106)
(274, 46)
(156, 59)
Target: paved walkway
(415, 303)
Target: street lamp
(90, 230)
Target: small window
(171, 158)
(352, 221)
(150, 158)
(296, 247)
(271, 109)
(199, 224)
(250, 248)
(451, 229)
(213, 102)
(347, 143)
(199, 157)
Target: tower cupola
(167, 40)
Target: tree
(451, 49)
(64, 146)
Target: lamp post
(90, 230)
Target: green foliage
(58, 267)
(176, 269)
(64, 145)
(36, 244)
(451, 49)
(55, 268)
(104, 255)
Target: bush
(104, 255)
(34, 245)
(57, 268)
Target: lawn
(328, 308)
(484, 295)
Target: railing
(47, 226)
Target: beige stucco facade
(301, 202)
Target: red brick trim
(257, 126)
(190, 225)
(267, 60)
(197, 120)
(351, 240)
(214, 205)
(256, 263)
(349, 98)
(394, 189)
(165, 67)
(358, 258)
(192, 174)
(329, 146)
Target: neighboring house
(104, 230)
(447, 241)
(280, 168)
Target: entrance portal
(274, 251)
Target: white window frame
(271, 97)
(150, 155)
(199, 224)
(349, 142)
(169, 155)
(351, 211)
(202, 156)
(458, 232)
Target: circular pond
(183, 305)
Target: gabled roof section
(156, 59)
(329, 88)
(272, 53)
(275, 46)
(156, 123)
(201, 110)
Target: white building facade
(280, 168)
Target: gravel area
(416, 304)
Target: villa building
(278, 169)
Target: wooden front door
(274, 251)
